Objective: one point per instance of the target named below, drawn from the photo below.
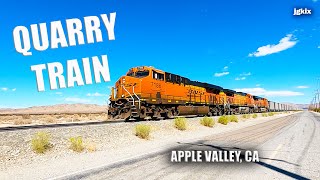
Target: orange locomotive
(145, 92)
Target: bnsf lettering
(191, 91)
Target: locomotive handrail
(128, 92)
(136, 96)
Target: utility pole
(316, 98)
(315, 103)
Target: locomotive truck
(149, 93)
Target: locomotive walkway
(288, 148)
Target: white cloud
(258, 85)
(225, 68)
(245, 74)
(221, 74)
(285, 43)
(264, 92)
(240, 78)
(95, 94)
(4, 89)
(76, 100)
(14, 89)
(302, 87)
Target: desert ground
(62, 113)
(102, 144)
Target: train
(145, 92)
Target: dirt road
(288, 148)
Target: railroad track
(46, 126)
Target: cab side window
(157, 76)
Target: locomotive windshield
(138, 74)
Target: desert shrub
(26, 116)
(254, 115)
(91, 147)
(143, 131)
(223, 120)
(22, 121)
(246, 116)
(104, 117)
(49, 119)
(207, 121)
(76, 117)
(40, 142)
(180, 123)
(233, 118)
(76, 144)
(270, 114)
(264, 114)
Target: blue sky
(253, 46)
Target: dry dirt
(62, 113)
(58, 109)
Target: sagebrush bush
(40, 142)
(223, 120)
(76, 144)
(143, 131)
(207, 121)
(254, 115)
(180, 123)
(233, 118)
(270, 114)
(264, 114)
(246, 116)
(26, 116)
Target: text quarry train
(148, 93)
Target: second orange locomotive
(145, 92)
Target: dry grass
(143, 131)
(91, 147)
(254, 115)
(180, 123)
(76, 144)
(40, 142)
(26, 116)
(271, 113)
(223, 120)
(22, 121)
(207, 121)
(49, 119)
(246, 116)
(233, 118)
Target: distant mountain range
(303, 106)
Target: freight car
(145, 92)
(276, 107)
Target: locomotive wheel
(169, 114)
(176, 113)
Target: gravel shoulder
(114, 142)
